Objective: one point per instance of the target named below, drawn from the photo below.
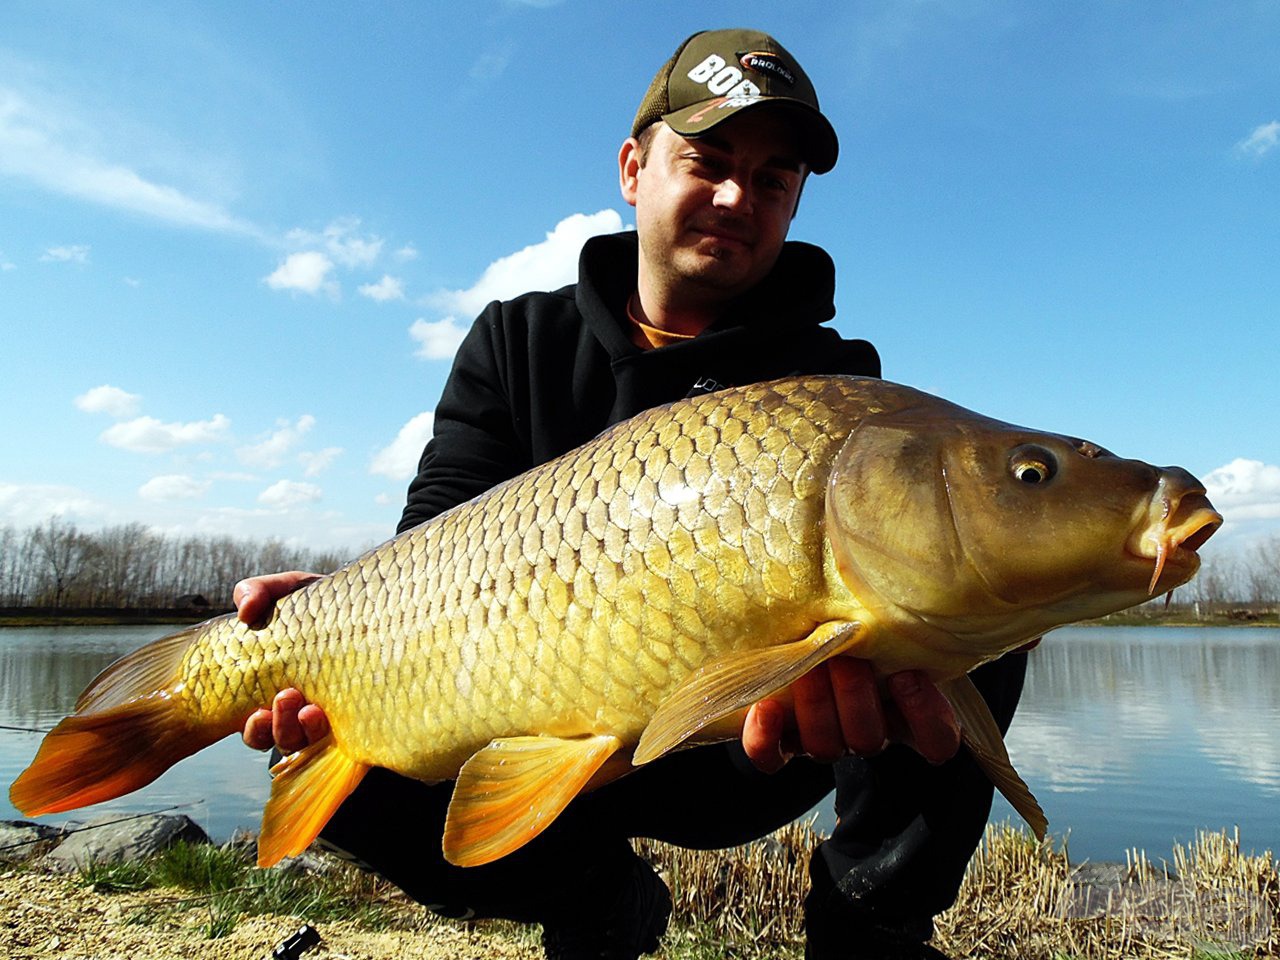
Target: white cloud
(540, 266)
(492, 63)
(24, 505)
(6, 265)
(316, 463)
(35, 147)
(338, 244)
(109, 400)
(399, 459)
(306, 271)
(75, 253)
(341, 242)
(285, 494)
(388, 288)
(174, 486)
(149, 435)
(406, 253)
(1245, 490)
(1262, 140)
(271, 452)
(439, 339)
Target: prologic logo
(762, 61)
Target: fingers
(931, 725)
(314, 722)
(257, 730)
(255, 596)
(289, 725)
(817, 717)
(841, 708)
(286, 730)
(763, 736)
(862, 719)
(837, 707)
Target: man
(707, 292)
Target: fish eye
(1033, 465)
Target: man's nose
(733, 194)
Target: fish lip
(1178, 520)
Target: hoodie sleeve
(474, 445)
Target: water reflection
(1142, 736)
(1097, 700)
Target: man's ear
(629, 169)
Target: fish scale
(644, 589)
(559, 576)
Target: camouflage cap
(716, 74)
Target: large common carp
(640, 592)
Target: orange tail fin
(88, 759)
(127, 730)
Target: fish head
(988, 534)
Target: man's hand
(837, 708)
(255, 596)
(291, 723)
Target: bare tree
(64, 551)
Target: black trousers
(904, 834)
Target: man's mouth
(720, 233)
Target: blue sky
(239, 241)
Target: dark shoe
(632, 927)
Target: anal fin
(735, 681)
(512, 789)
(982, 736)
(308, 787)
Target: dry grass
(1023, 898)
(748, 895)
(1020, 899)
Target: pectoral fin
(511, 790)
(308, 787)
(735, 681)
(982, 736)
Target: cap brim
(819, 146)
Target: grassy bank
(1021, 899)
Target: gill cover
(981, 529)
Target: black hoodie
(542, 374)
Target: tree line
(1249, 577)
(56, 565)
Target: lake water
(1129, 736)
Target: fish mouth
(1178, 520)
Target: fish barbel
(641, 592)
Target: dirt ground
(50, 916)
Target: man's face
(712, 213)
